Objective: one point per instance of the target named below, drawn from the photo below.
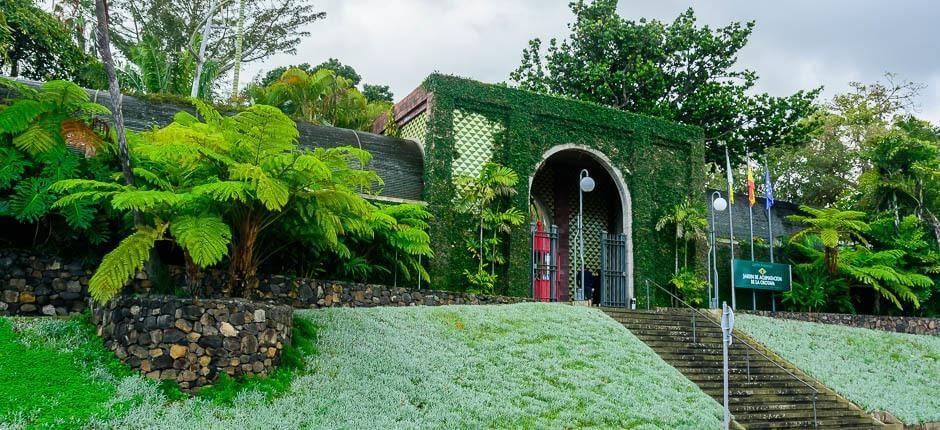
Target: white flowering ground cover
(456, 367)
(877, 370)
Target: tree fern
(122, 263)
(205, 236)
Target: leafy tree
(824, 171)
(902, 176)
(270, 27)
(218, 186)
(342, 70)
(48, 135)
(677, 71)
(689, 223)
(834, 227)
(321, 97)
(273, 75)
(38, 46)
(379, 93)
(479, 198)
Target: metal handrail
(741, 341)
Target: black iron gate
(613, 270)
(544, 263)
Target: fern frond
(123, 263)
(77, 214)
(82, 197)
(209, 115)
(62, 94)
(143, 200)
(223, 191)
(24, 90)
(273, 193)
(68, 185)
(31, 200)
(12, 167)
(206, 237)
(17, 117)
(35, 139)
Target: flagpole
(750, 220)
(769, 203)
(731, 224)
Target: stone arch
(626, 203)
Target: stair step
(762, 395)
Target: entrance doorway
(608, 249)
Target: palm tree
(833, 227)
(690, 223)
(321, 97)
(478, 197)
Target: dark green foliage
(36, 45)
(662, 163)
(678, 71)
(55, 388)
(379, 93)
(46, 136)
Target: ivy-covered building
(642, 166)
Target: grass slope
(894, 372)
(518, 366)
(55, 374)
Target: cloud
(798, 44)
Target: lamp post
(718, 204)
(585, 185)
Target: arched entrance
(608, 239)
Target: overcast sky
(797, 44)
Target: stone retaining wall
(192, 341)
(41, 285)
(912, 325)
(312, 293)
(315, 293)
(36, 285)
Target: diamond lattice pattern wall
(474, 138)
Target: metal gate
(544, 263)
(613, 270)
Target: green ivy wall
(662, 163)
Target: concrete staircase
(762, 395)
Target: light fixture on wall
(585, 185)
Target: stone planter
(193, 341)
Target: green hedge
(662, 161)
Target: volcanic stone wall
(193, 341)
(33, 284)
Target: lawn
(877, 370)
(527, 365)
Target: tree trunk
(194, 276)
(243, 269)
(675, 243)
(239, 40)
(114, 89)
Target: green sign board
(758, 275)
